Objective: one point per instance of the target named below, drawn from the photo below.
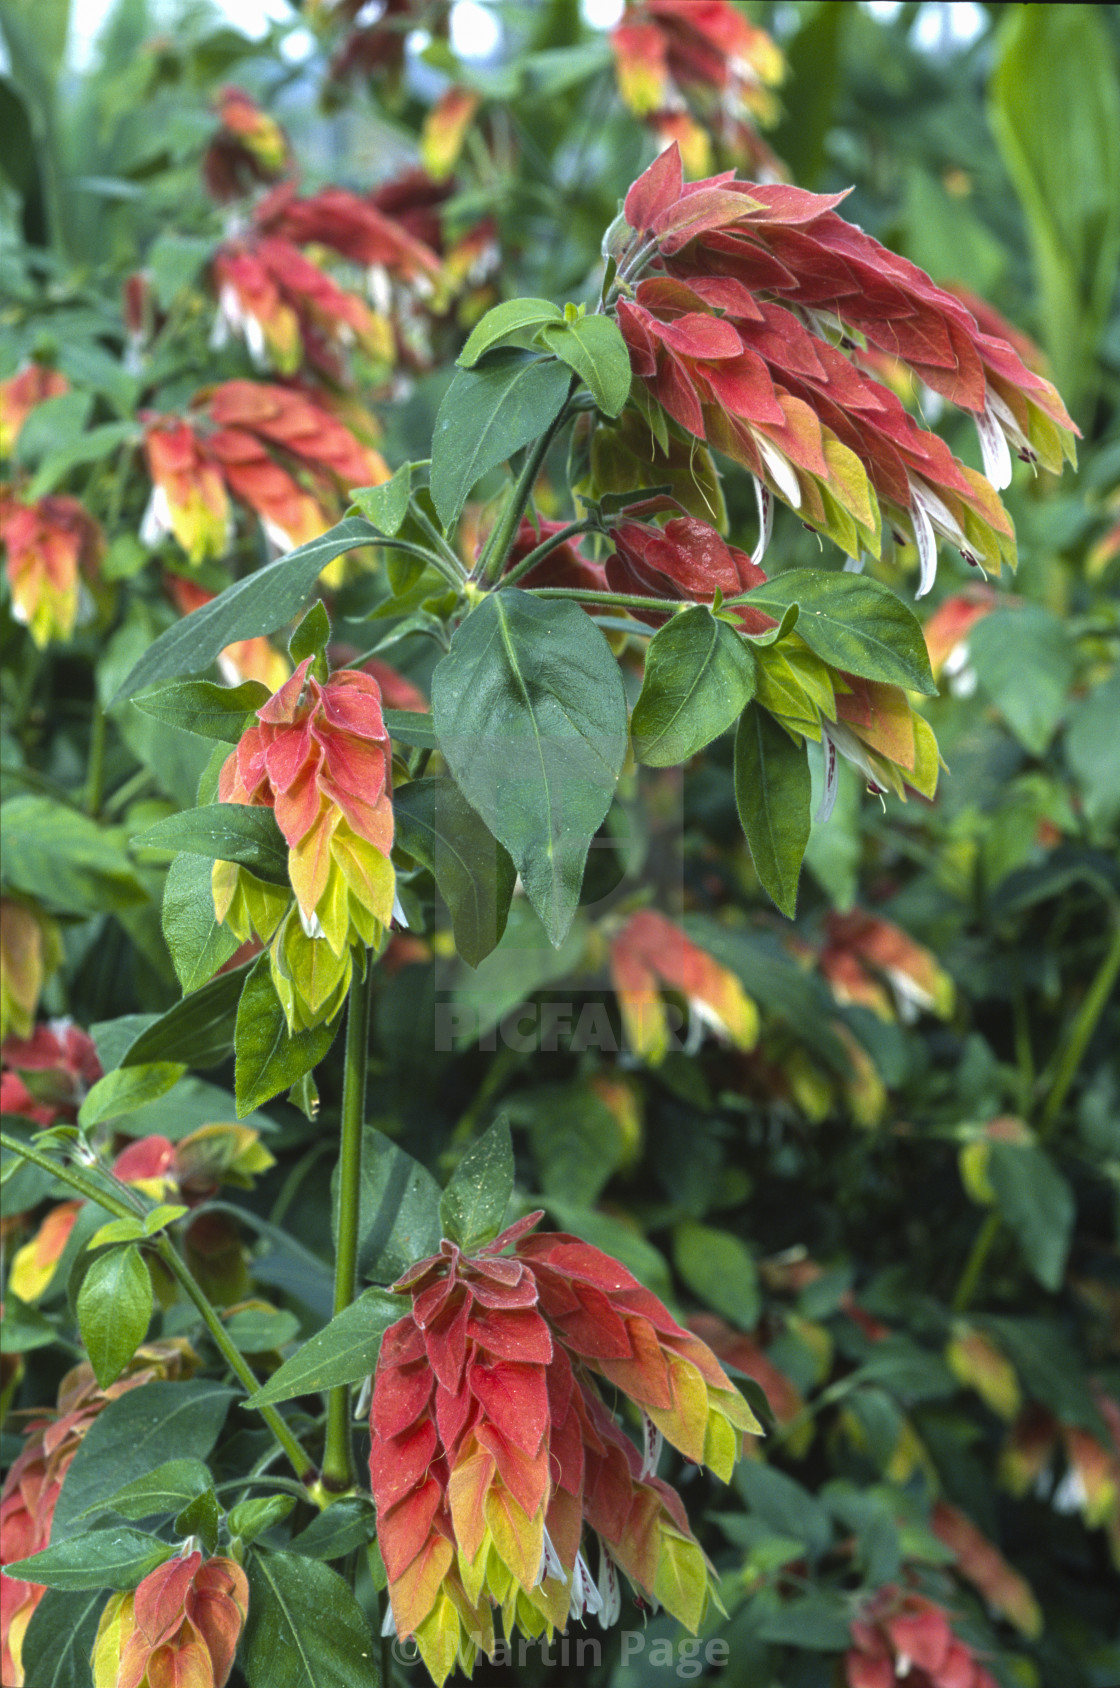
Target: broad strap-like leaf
(699, 676)
(593, 346)
(487, 414)
(268, 1058)
(345, 1351)
(260, 603)
(225, 832)
(197, 1031)
(474, 873)
(512, 317)
(531, 717)
(305, 1629)
(852, 622)
(772, 794)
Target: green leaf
(197, 941)
(398, 1213)
(1025, 662)
(251, 1518)
(58, 855)
(410, 726)
(345, 1351)
(513, 316)
(854, 623)
(348, 1524)
(114, 1310)
(201, 1517)
(531, 717)
(577, 1143)
(268, 1058)
(475, 1200)
(1090, 746)
(436, 825)
(772, 790)
(113, 1558)
(784, 1504)
(52, 426)
(174, 261)
(130, 1437)
(23, 1327)
(1037, 1205)
(257, 1329)
(593, 346)
(90, 447)
(487, 414)
(201, 707)
(718, 1268)
(305, 1629)
(260, 603)
(59, 1639)
(225, 832)
(165, 1490)
(699, 677)
(386, 506)
(128, 1088)
(311, 639)
(197, 1031)
(1055, 111)
(820, 1621)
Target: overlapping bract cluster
(872, 962)
(52, 554)
(34, 1481)
(319, 756)
(46, 1076)
(492, 1447)
(180, 1625)
(650, 954)
(249, 148)
(750, 337)
(686, 560)
(906, 1639)
(693, 66)
(277, 450)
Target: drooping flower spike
(746, 307)
(180, 1625)
(495, 1461)
(52, 555)
(319, 756)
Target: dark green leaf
(260, 603)
(531, 717)
(720, 1270)
(487, 414)
(113, 1558)
(225, 832)
(67, 861)
(268, 1058)
(398, 1215)
(348, 1524)
(23, 1327)
(772, 792)
(87, 448)
(114, 1310)
(165, 1490)
(1025, 663)
(52, 426)
(854, 623)
(196, 1031)
(436, 825)
(386, 506)
(305, 1629)
(198, 942)
(127, 1088)
(593, 346)
(130, 1437)
(699, 677)
(820, 1621)
(201, 1517)
(475, 1200)
(59, 1639)
(513, 316)
(784, 1504)
(345, 1351)
(251, 1518)
(1037, 1205)
(209, 710)
(311, 639)
(409, 726)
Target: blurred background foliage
(898, 1212)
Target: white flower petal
(994, 447)
(831, 777)
(781, 469)
(764, 498)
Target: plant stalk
(498, 546)
(338, 1463)
(542, 550)
(181, 1272)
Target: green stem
(181, 1272)
(1084, 1025)
(977, 1260)
(492, 561)
(620, 600)
(338, 1465)
(439, 542)
(452, 575)
(543, 549)
(95, 776)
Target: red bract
(648, 954)
(775, 380)
(907, 1640)
(565, 565)
(61, 1061)
(53, 550)
(289, 311)
(351, 226)
(492, 1446)
(249, 148)
(179, 1626)
(687, 559)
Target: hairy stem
(338, 1465)
(619, 600)
(95, 775)
(543, 549)
(497, 548)
(88, 1187)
